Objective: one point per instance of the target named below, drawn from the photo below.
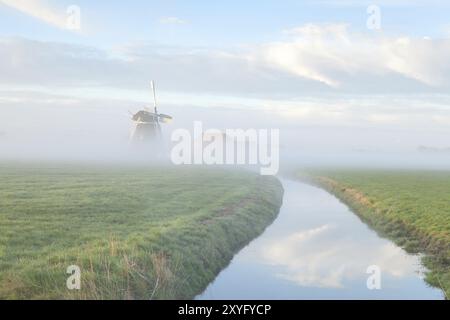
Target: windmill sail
(154, 97)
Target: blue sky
(218, 23)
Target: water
(318, 249)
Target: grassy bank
(136, 233)
(412, 208)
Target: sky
(318, 69)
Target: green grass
(136, 233)
(410, 207)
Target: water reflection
(319, 258)
(318, 249)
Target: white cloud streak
(332, 55)
(39, 9)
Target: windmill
(147, 124)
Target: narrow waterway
(318, 249)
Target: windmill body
(146, 127)
(147, 124)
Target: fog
(58, 128)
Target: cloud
(319, 74)
(305, 55)
(40, 10)
(338, 58)
(313, 59)
(172, 20)
(308, 259)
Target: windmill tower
(147, 124)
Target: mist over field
(355, 90)
(98, 130)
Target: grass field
(136, 233)
(410, 207)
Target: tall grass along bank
(135, 233)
